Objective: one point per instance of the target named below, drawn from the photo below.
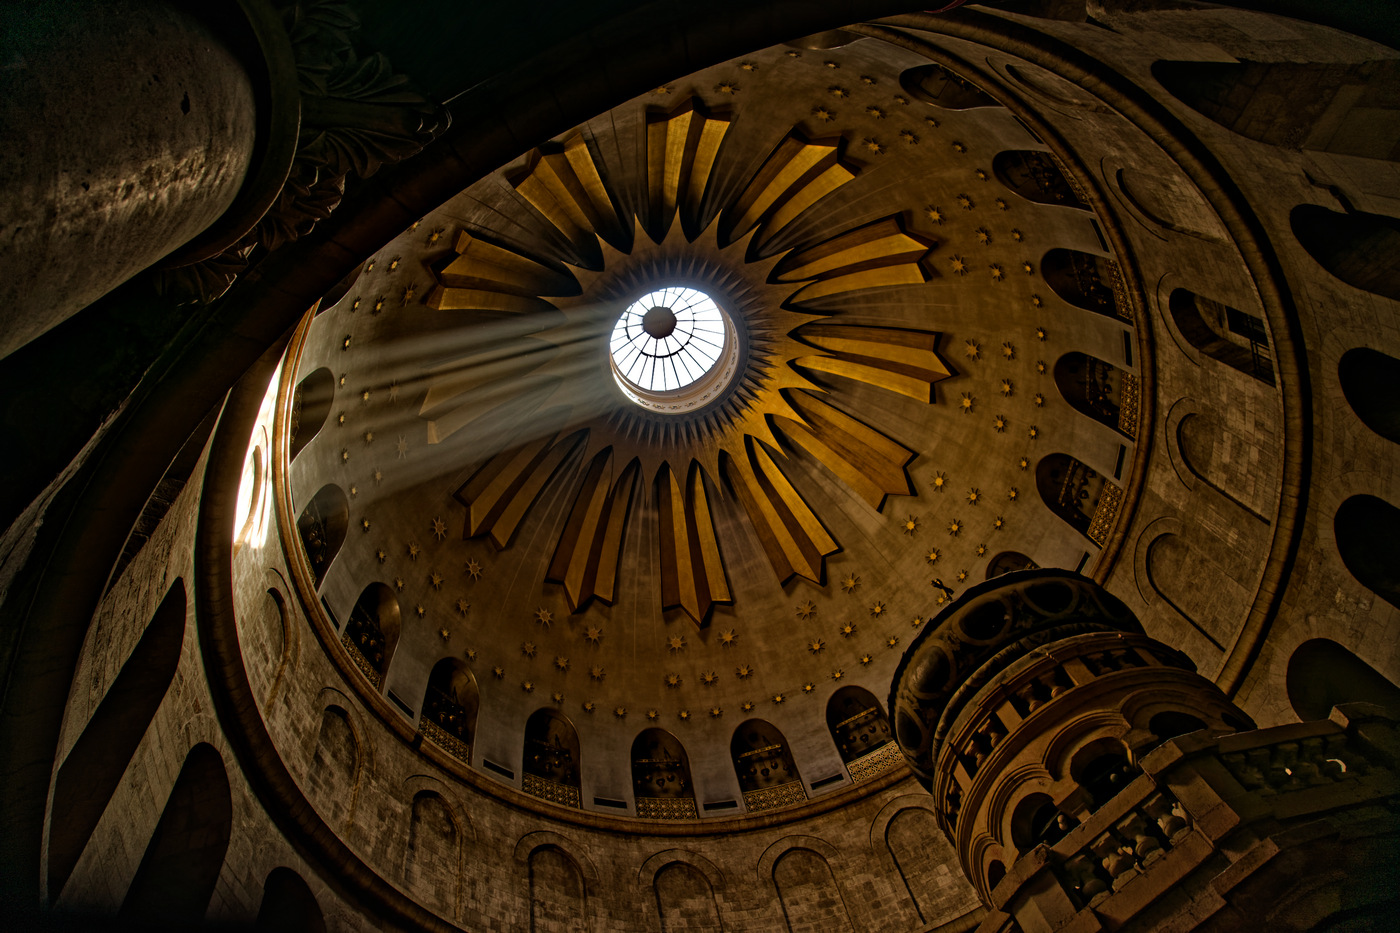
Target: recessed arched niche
(449, 708)
(661, 777)
(1322, 674)
(311, 406)
(372, 632)
(94, 767)
(1356, 247)
(763, 763)
(322, 527)
(1228, 335)
(1035, 175)
(288, 906)
(1367, 528)
(1086, 281)
(945, 88)
(1099, 390)
(177, 876)
(1009, 562)
(551, 759)
(1371, 383)
(1079, 494)
(861, 732)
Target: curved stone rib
(681, 150)
(563, 183)
(797, 174)
(500, 493)
(893, 358)
(877, 255)
(869, 463)
(587, 557)
(692, 571)
(793, 537)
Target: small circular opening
(674, 350)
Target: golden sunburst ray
(681, 451)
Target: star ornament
(728, 637)
(911, 525)
(544, 617)
(676, 642)
(439, 528)
(816, 645)
(850, 583)
(593, 634)
(806, 609)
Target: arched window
(1009, 562)
(764, 765)
(1366, 529)
(551, 760)
(558, 892)
(860, 729)
(322, 527)
(372, 633)
(1086, 281)
(685, 900)
(1079, 495)
(1225, 334)
(661, 777)
(311, 406)
(1369, 379)
(449, 707)
(942, 87)
(1322, 673)
(1035, 176)
(93, 769)
(181, 866)
(1099, 390)
(1356, 247)
(1102, 771)
(288, 906)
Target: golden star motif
(727, 87)
(984, 236)
(837, 675)
(528, 649)
(743, 672)
(981, 550)
(748, 66)
(932, 556)
(850, 583)
(528, 686)
(959, 265)
(378, 477)
(848, 630)
(999, 423)
(875, 112)
(910, 137)
(973, 495)
(824, 114)
(873, 145)
(398, 584)
(562, 663)
(1001, 204)
(808, 687)
(954, 527)
(340, 419)
(435, 580)
(1006, 388)
(1040, 366)
(934, 214)
(463, 606)
(593, 634)
(381, 555)
(1027, 268)
(778, 698)
(1040, 332)
(434, 236)
(471, 654)
(932, 121)
(806, 609)
(596, 672)
(378, 306)
(345, 455)
(413, 550)
(709, 678)
(620, 711)
(816, 645)
(676, 642)
(867, 79)
(959, 147)
(838, 91)
(652, 714)
(589, 706)
(892, 641)
(1039, 400)
(962, 576)
(364, 396)
(901, 99)
(916, 621)
(1034, 432)
(500, 672)
(981, 174)
(877, 609)
(716, 712)
(1012, 494)
(444, 634)
(408, 293)
(354, 490)
(439, 528)
(831, 64)
(966, 403)
(557, 697)
(369, 437)
(403, 447)
(793, 53)
(939, 480)
(683, 715)
(421, 611)
(973, 350)
(664, 89)
(866, 659)
(728, 637)
(1017, 235)
(911, 525)
(1024, 463)
(998, 522)
(474, 569)
(746, 706)
(965, 202)
(1008, 351)
(997, 273)
(544, 617)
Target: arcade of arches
(689, 470)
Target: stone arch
(1366, 529)
(450, 703)
(858, 726)
(1077, 493)
(1099, 390)
(1086, 281)
(1369, 379)
(431, 861)
(1331, 107)
(178, 873)
(808, 892)
(763, 763)
(336, 765)
(322, 527)
(372, 633)
(558, 891)
(661, 781)
(277, 637)
(288, 906)
(921, 856)
(1168, 201)
(1036, 176)
(944, 88)
(1227, 335)
(1009, 562)
(311, 406)
(1356, 247)
(551, 758)
(685, 899)
(1197, 437)
(94, 767)
(1187, 582)
(1322, 674)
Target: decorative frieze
(360, 661)
(563, 794)
(770, 798)
(1106, 514)
(445, 740)
(667, 808)
(875, 763)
